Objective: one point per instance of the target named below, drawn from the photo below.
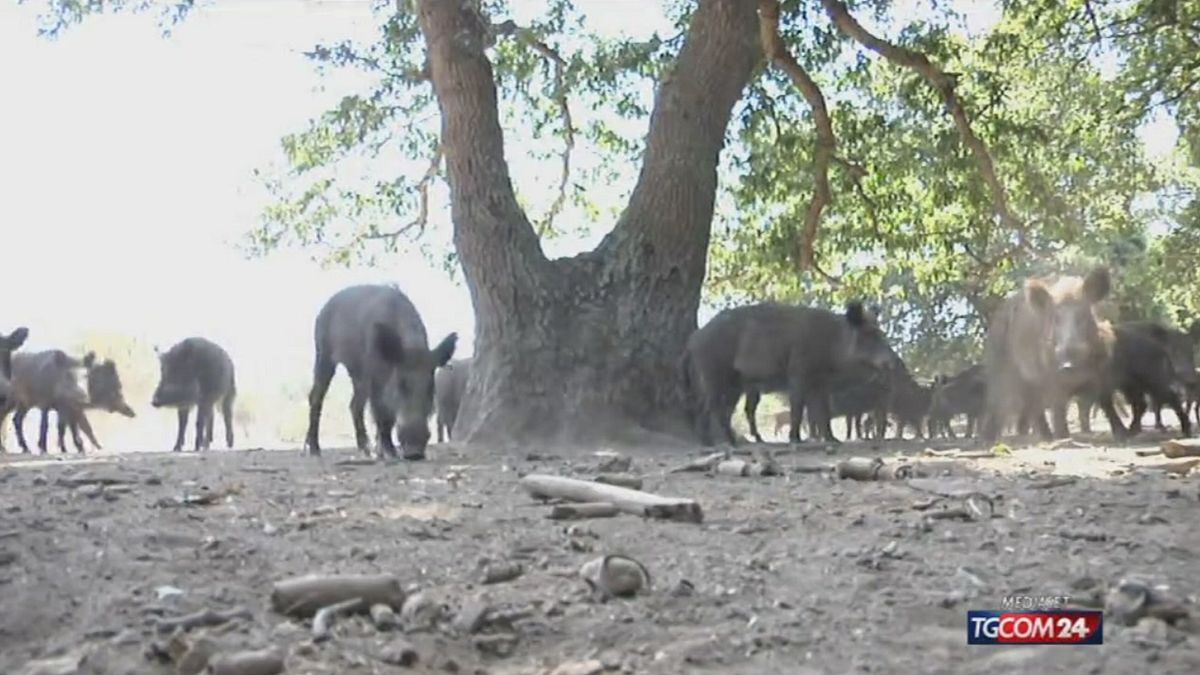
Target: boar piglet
(104, 392)
(197, 372)
(375, 332)
(449, 383)
(1044, 345)
(774, 347)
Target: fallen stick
(624, 499)
(261, 662)
(323, 620)
(1187, 447)
(581, 511)
(705, 463)
(304, 596)
(631, 482)
(733, 467)
(203, 618)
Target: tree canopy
(882, 152)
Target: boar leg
(797, 404)
(385, 419)
(323, 370)
(819, 403)
(358, 406)
(79, 420)
(1158, 423)
(1061, 430)
(227, 417)
(751, 408)
(183, 412)
(43, 429)
(19, 425)
(209, 423)
(1110, 411)
(1084, 405)
(204, 413)
(1169, 397)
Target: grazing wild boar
(8, 344)
(774, 347)
(375, 332)
(45, 380)
(857, 391)
(908, 401)
(449, 383)
(1045, 344)
(104, 392)
(197, 372)
(964, 393)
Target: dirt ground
(799, 573)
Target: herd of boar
(1045, 347)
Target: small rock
(90, 490)
(498, 645)
(420, 611)
(591, 667)
(126, 637)
(399, 652)
(383, 617)
(472, 616)
(165, 592)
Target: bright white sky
(126, 163)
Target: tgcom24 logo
(1038, 627)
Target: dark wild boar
(46, 380)
(908, 402)
(198, 373)
(1181, 348)
(375, 332)
(8, 344)
(449, 383)
(1045, 344)
(1142, 366)
(774, 347)
(857, 391)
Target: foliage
(1056, 90)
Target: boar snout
(413, 440)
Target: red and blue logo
(1044, 627)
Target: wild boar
(774, 347)
(449, 383)
(8, 344)
(1044, 344)
(104, 392)
(45, 380)
(375, 332)
(963, 393)
(197, 372)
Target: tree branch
(945, 85)
(857, 173)
(492, 234)
(560, 97)
(778, 55)
(422, 217)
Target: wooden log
(626, 500)
(581, 511)
(260, 662)
(303, 596)
(705, 463)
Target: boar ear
(17, 338)
(89, 359)
(445, 349)
(389, 343)
(1097, 284)
(1038, 294)
(855, 314)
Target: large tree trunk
(585, 349)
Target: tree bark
(585, 349)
